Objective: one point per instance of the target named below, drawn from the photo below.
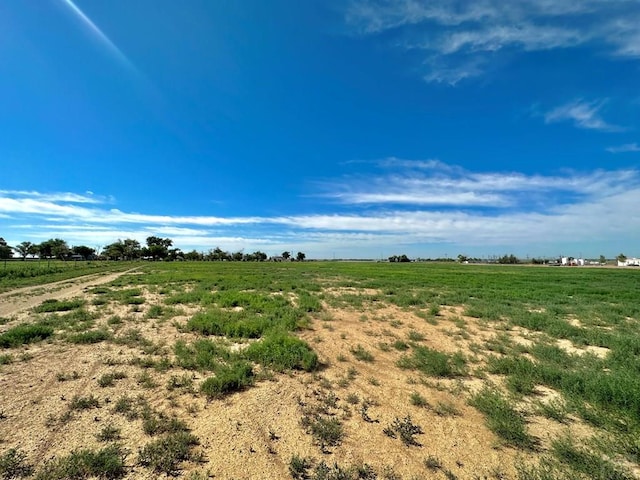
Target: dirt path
(21, 299)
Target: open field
(323, 370)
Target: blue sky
(356, 129)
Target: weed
(6, 359)
(13, 464)
(184, 381)
(432, 362)
(164, 455)
(341, 358)
(362, 354)
(400, 345)
(432, 463)
(416, 336)
(109, 433)
(53, 305)
(107, 463)
(108, 379)
(418, 400)
(586, 462)
(299, 467)
(229, 378)
(444, 409)
(326, 431)
(283, 352)
(157, 423)
(374, 381)
(23, 334)
(554, 410)
(406, 429)
(84, 403)
(353, 399)
(145, 380)
(92, 336)
(502, 418)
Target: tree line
(156, 248)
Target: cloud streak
(459, 38)
(627, 147)
(582, 114)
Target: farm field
(322, 370)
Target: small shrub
(400, 345)
(175, 382)
(157, 423)
(416, 336)
(432, 362)
(6, 359)
(326, 431)
(445, 409)
(432, 463)
(145, 380)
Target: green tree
(158, 248)
(5, 250)
(621, 258)
(286, 255)
(114, 251)
(603, 260)
(25, 249)
(84, 251)
(300, 257)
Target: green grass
(362, 354)
(106, 463)
(228, 379)
(433, 363)
(503, 419)
(24, 334)
(58, 305)
(165, 455)
(283, 352)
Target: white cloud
(627, 147)
(455, 36)
(410, 204)
(583, 114)
(66, 197)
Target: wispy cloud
(627, 147)
(458, 37)
(583, 114)
(433, 183)
(64, 197)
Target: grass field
(325, 370)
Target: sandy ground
(253, 434)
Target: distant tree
(237, 256)
(286, 255)
(508, 259)
(114, 251)
(621, 258)
(158, 248)
(603, 259)
(131, 249)
(54, 247)
(217, 254)
(174, 254)
(5, 250)
(193, 256)
(44, 249)
(84, 251)
(259, 256)
(404, 259)
(462, 258)
(25, 249)
(300, 256)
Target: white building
(630, 262)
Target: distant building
(629, 262)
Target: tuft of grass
(327, 431)
(92, 336)
(164, 455)
(433, 463)
(107, 463)
(157, 423)
(434, 363)
(299, 467)
(108, 379)
(228, 379)
(84, 403)
(13, 464)
(6, 359)
(586, 462)
(418, 400)
(24, 334)
(145, 380)
(283, 352)
(53, 305)
(502, 418)
(109, 433)
(416, 336)
(184, 381)
(362, 354)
